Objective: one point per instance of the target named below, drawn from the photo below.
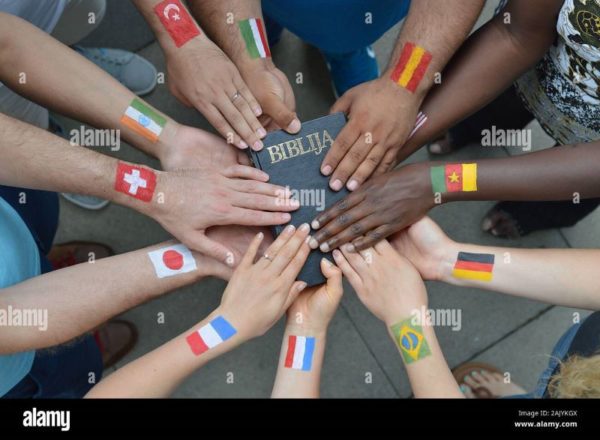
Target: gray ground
(515, 334)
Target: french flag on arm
(300, 352)
(210, 335)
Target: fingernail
(324, 247)
(229, 260)
(301, 286)
(258, 145)
(260, 235)
(243, 145)
(464, 388)
(466, 377)
(315, 224)
(285, 217)
(326, 170)
(313, 243)
(294, 126)
(486, 225)
(289, 228)
(304, 227)
(352, 185)
(336, 254)
(307, 239)
(336, 185)
(257, 111)
(261, 132)
(474, 373)
(326, 261)
(350, 247)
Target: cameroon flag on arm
(454, 178)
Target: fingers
(283, 116)
(249, 97)
(339, 208)
(384, 248)
(250, 255)
(372, 237)
(250, 217)
(292, 255)
(348, 271)
(387, 163)
(211, 248)
(356, 260)
(367, 167)
(347, 137)
(283, 238)
(263, 203)
(295, 290)
(243, 158)
(250, 110)
(352, 223)
(333, 274)
(349, 164)
(246, 172)
(216, 119)
(231, 110)
(350, 233)
(343, 103)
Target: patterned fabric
(562, 91)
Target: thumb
(211, 248)
(342, 104)
(334, 279)
(283, 116)
(293, 293)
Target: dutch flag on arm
(300, 352)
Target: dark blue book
(294, 161)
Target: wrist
(166, 145)
(304, 329)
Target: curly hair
(578, 377)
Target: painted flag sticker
(177, 21)
(300, 352)
(172, 260)
(460, 177)
(210, 335)
(411, 67)
(135, 181)
(421, 119)
(255, 38)
(144, 120)
(411, 341)
(474, 266)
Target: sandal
(76, 252)
(466, 370)
(116, 349)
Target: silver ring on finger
(268, 257)
(235, 96)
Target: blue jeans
(63, 371)
(336, 27)
(558, 355)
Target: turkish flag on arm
(177, 21)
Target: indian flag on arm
(255, 38)
(144, 120)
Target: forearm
(562, 173)
(159, 373)
(225, 31)
(79, 298)
(479, 72)
(426, 367)
(299, 374)
(439, 28)
(45, 71)
(564, 277)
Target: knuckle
(356, 229)
(344, 219)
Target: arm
(382, 113)
(395, 200)
(201, 75)
(227, 22)
(266, 287)
(479, 72)
(391, 288)
(306, 332)
(79, 298)
(564, 277)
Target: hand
(384, 205)
(426, 246)
(313, 309)
(195, 199)
(381, 116)
(189, 147)
(274, 93)
(260, 292)
(238, 238)
(386, 283)
(203, 77)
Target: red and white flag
(135, 181)
(172, 260)
(177, 21)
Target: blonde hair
(578, 377)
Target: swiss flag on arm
(135, 181)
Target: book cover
(294, 161)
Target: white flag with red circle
(172, 260)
